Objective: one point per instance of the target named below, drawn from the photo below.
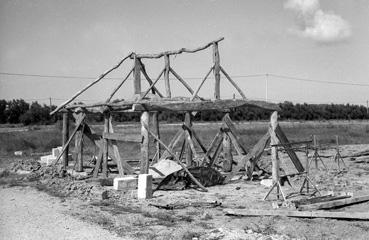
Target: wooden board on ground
(335, 203)
(301, 214)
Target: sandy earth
(29, 214)
(26, 213)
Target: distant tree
(3, 116)
(15, 109)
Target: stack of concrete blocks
(50, 159)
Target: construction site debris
(180, 180)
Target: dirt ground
(85, 204)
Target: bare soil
(82, 205)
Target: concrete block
(47, 160)
(128, 182)
(18, 153)
(144, 190)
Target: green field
(42, 139)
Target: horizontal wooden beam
(179, 51)
(335, 203)
(301, 214)
(122, 137)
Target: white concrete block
(128, 182)
(144, 190)
(47, 160)
(18, 153)
(56, 151)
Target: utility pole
(266, 87)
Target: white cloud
(315, 24)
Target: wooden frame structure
(149, 105)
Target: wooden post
(105, 146)
(144, 166)
(156, 130)
(189, 155)
(216, 70)
(166, 76)
(274, 150)
(65, 139)
(315, 151)
(137, 76)
(227, 150)
(79, 149)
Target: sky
(325, 42)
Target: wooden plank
(98, 163)
(174, 142)
(283, 140)
(319, 199)
(215, 156)
(122, 137)
(214, 145)
(144, 165)
(65, 136)
(90, 85)
(176, 105)
(182, 50)
(190, 142)
(181, 80)
(335, 203)
(301, 214)
(235, 143)
(216, 70)
(168, 93)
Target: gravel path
(26, 213)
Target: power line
(195, 78)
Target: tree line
(19, 111)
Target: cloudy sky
(324, 44)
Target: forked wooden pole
(91, 84)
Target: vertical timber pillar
(188, 123)
(166, 76)
(216, 60)
(65, 139)
(144, 166)
(274, 150)
(156, 130)
(79, 149)
(137, 76)
(227, 150)
(105, 146)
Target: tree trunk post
(166, 76)
(274, 150)
(156, 130)
(65, 137)
(189, 155)
(137, 76)
(79, 149)
(227, 150)
(216, 60)
(105, 146)
(144, 166)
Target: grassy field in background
(42, 139)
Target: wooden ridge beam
(179, 51)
